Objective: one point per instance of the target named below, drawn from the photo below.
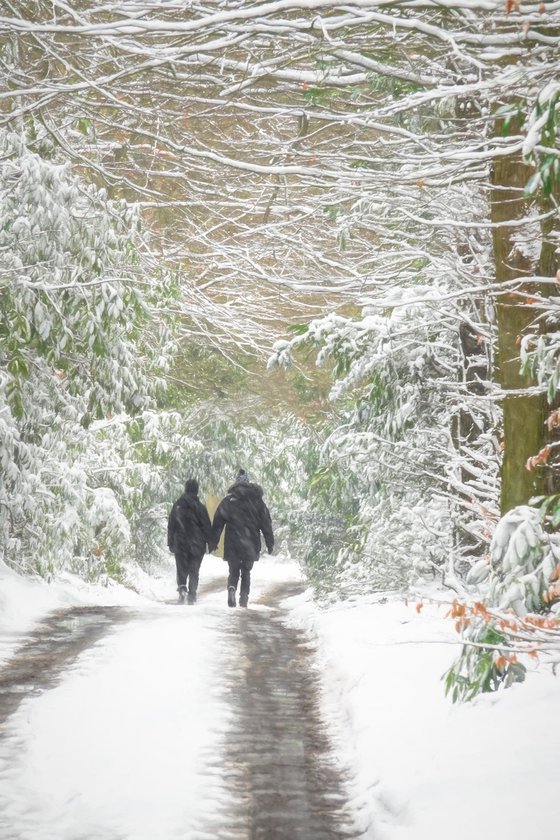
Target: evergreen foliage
(74, 366)
(384, 174)
(519, 604)
(384, 468)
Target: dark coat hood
(246, 489)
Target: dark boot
(191, 598)
(245, 587)
(231, 596)
(182, 595)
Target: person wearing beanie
(245, 517)
(188, 532)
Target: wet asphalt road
(283, 780)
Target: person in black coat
(245, 516)
(188, 532)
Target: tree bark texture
(524, 415)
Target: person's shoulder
(224, 501)
(245, 488)
(187, 502)
(254, 490)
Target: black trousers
(188, 568)
(243, 568)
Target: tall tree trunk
(524, 415)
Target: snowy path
(167, 722)
(51, 647)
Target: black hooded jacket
(245, 516)
(188, 527)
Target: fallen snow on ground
(120, 747)
(80, 758)
(131, 743)
(424, 768)
(25, 600)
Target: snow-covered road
(161, 721)
(170, 722)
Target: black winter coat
(245, 516)
(188, 526)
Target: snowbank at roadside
(425, 769)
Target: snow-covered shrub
(396, 452)
(517, 586)
(133, 458)
(73, 336)
(524, 557)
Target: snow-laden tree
(302, 152)
(419, 486)
(299, 156)
(74, 349)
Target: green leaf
(24, 328)
(17, 365)
(84, 125)
(332, 212)
(556, 516)
(505, 110)
(532, 184)
(535, 500)
(298, 329)
(547, 502)
(13, 393)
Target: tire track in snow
(55, 643)
(50, 649)
(276, 777)
(281, 770)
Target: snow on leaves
(70, 351)
(520, 612)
